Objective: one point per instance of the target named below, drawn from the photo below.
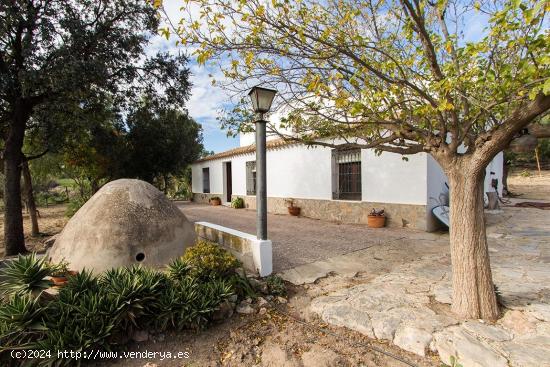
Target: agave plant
(138, 290)
(241, 286)
(178, 269)
(20, 321)
(81, 283)
(210, 295)
(87, 322)
(25, 275)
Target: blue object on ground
(442, 213)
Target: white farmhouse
(331, 184)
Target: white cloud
(206, 100)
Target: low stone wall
(204, 198)
(345, 211)
(256, 255)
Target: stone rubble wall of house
(354, 212)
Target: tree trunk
(94, 185)
(14, 237)
(473, 291)
(29, 195)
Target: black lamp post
(261, 103)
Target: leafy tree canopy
(395, 75)
(59, 61)
(161, 140)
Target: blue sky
(206, 100)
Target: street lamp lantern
(261, 99)
(261, 102)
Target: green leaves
(356, 68)
(98, 312)
(25, 275)
(209, 261)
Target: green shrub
(75, 204)
(137, 290)
(242, 287)
(183, 191)
(275, 285)
(208, 260)
(237, 203)
(45, 198)
(544, 149)
(84, 281)
(210, 295)
(88, 321)
(178, 269)
(25, 275)
(19, 321)
(98, 312)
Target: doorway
(228, 182)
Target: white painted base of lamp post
(262, 254)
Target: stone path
(410, 304)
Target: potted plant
(60, 273)
(215, 200)
(376, 218)
(292, 210)
(237, 203)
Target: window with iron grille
(206, 180)
(251, 178)
(346, 174)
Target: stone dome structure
(126, 222)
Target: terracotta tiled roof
(270, 144)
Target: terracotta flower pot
(215, 202)
(59, 281)
(294, 211)
(376, 221)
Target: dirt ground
(273, 339)
(529, 184)
(52, 220)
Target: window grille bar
(346, 174)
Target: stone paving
(410, 305)
(297, 241)
(395, 284)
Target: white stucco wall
(216, 176)
(390, 179)
(496, 166)
(301, 172)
